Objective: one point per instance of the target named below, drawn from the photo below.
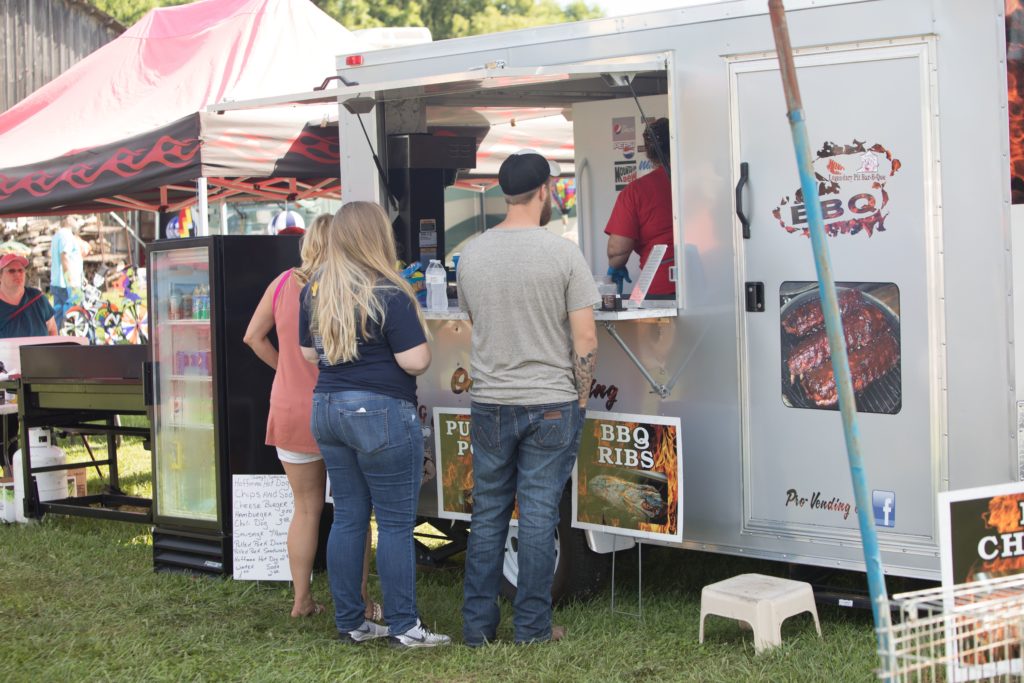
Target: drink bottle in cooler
(437, 287)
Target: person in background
(642, 218)
(360, 321)
(67, 252)
(529, 295)
(24, 311)
(288, 424)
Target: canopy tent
(127, 126)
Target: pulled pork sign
(981, 533)
(627, 477)
(454, 453)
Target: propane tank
(51, 485)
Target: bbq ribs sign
(628, 474)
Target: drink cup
(611, 300)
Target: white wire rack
(969, 632)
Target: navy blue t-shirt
(376, 369)
(31, 322)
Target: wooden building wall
(40, 39)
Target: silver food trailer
(907, 109)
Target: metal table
(82, 390)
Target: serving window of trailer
(446, 137)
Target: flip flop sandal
(376, 612)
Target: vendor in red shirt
(642, 218)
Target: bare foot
(311, 609)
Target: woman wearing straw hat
(24, 311)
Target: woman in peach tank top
(288, 425)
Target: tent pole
(223, 216)
(203, 219)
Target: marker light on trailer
(354, 60)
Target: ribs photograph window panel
(870, 312)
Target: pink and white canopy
(126, 127)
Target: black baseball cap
(524, 171)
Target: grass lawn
(79, 601)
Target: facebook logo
(883, 503)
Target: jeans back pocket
(485, 425)
(552, 427)
(366, 431)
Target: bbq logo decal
(627, 478)
(870, 312)
(851, 189)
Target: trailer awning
(485, 82)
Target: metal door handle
(739, 200)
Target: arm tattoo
(583, 367)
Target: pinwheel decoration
(565, 194)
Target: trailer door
(869, 114)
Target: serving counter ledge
(648, 311)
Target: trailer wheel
(579, 572)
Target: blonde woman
(291, 402)
(360, 322)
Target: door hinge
(755, 297)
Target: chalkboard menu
(262, 505)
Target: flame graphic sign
(628, 476)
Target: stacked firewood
(107, 245)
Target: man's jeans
(61, 303)
(373, 449)
(529, 452)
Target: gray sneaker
(367, 631)
(418, 636)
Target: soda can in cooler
(180, 359)
(206, 363)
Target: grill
(884, 395)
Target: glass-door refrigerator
(210, 391)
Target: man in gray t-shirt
(529, 295)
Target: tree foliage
(456, 18)
(444, 18)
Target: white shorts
(295, 458)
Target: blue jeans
(525, 453)
(61, 304)
(373, 449)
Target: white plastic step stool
(762, 601)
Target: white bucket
(51, 485)
(7, 502)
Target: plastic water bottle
(437, 286)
